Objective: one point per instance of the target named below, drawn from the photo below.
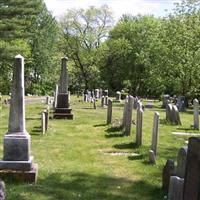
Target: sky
(118, 7)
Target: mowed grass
(74, 160)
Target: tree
(83, 32)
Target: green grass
(72, 162)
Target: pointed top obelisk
(63, 85)
(17, 106)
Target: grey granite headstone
(155, 133)
(106, 100)
(118, 96)
(175, 116)
(124, 113)
(129, 116)
(16, 155)
(176, 188)
(166, 97)
(152, 157)
(55, 96)
(169, 116)
(181, 103)
(94, 103)
(168, 171)
(109, 111)
(46, 112)
(192, 173)
(43, 127)
(47, 100)
(181, 162)
(139, 126)
(102, 101)
(196, 114)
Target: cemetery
(94, 110)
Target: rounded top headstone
(19, 56)
(65, 58)
(195, 102)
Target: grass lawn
(74, 156)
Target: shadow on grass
(86, 186)
(136, 157)
(114, 129)
(98, 125)
(114, 135)
(131, 145)
(36, 130)
(165, 122)
(33, 118)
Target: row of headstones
(127, 121)
(183, 181)
(90, 96)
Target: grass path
(74, 160)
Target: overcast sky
(118, 7)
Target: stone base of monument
(29, 176)
(63, 113)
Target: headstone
(16, 155)
(168, 171)
(100, 93)
(46, 112)
(139, 126)
(169, 116)
(106, 100)
(118, 96)
(152, 157)
(102, 101)
(166, 97)
(196, 114)
(85, 98)
(55, 96)
(181, 103)
(175, 116)
(63, 110)
(135, 102)
(94, 103)
(149, 104)
(129, 111)
(105, 93)
(47, 100)
(192, 173)
(176, 188)
(96, 93)
(2, 190)
(124, 113)
(181, 162)
(155, 133)
(109, 112)
(43, 120)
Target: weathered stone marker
(124, 113)
(139, 126)
(196, 114)
(94, 103)
(109, 111)
(192, 173)
(181, 162)
(63, 110)
(43, 127)
(152, 157)
(106, 100)
(17, 163)
(129, 111)
(176, 188)
(175, 115)
(155, 133)
(102, 101)
(55, 95)
(118, 96)
(46, 112)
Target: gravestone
(192, 171)
(17, 163)
(196, 114)
(102, 101)
(149, 104)
(55, 96)
(139, 126)
(169, 116)
(124, 113)
(168, 171)
(152, 157)
(109, 112)
(85, 98)
(100, 93)
(43, 126)
(155, 133)
(175, 116)
(2, 190)
(181, 162)
(94, 103)
(47, 100)
(106, 100)
(63, 110)
(96, 93)
(46, 112)
(118, 96)
(165, 99)
(105, 93)
(181, 103)
(129, 111)
(175, 188)
(135, 102)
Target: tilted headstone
(16, 155)
(129, 116)
(139, 126)
(192, 172)
(109, 111)
(155, 133)
(181, 162)
(175, 188)
(196, 114)
(175, 115)
(168, 171)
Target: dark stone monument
(168, 171)
(17, 163)
(191, 189)
(63, 110)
